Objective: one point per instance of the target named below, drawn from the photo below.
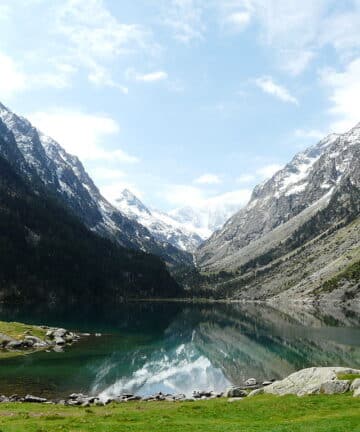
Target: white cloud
(245, 178)
(344, 88)
(238, 20)
(149, 77)
(208, 179)
(268, 171)
(94, 33)
(101, 77)
(182, 195)
(185, 195)
(297, 61)
(267, 85)
(238, 198)
(297, 30)
(93, 38)
(81, 134)
(185, 19)
(12, 79)
(105, 174)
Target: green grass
(19, 331)
(350, 274)
(338, 413)
(349, 377)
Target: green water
(179, 348)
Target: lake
(180, 347)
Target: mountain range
(163, 227)
(185, 227)
(299, 236)
(65, 176)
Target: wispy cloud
(101, 77)
(75, 37)
(209, 179)
(185, 19)
(268, 85)
(187, 195)
(238, 20)
(309, 134)
(149, 77)
(245, 178)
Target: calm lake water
(179, 348)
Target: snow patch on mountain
(206, 219)
(162, 226)
(311, 176)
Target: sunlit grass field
(339, 413)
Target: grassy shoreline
(337, 413)
(17, 331)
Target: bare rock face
(310, 381)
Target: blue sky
(185, 102)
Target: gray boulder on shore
(315, 380)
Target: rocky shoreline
(54, 338)
(306, 382)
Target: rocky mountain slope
(298, 232)
(163, 227)
(65, 176)
(47, 255)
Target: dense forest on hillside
(46, 254)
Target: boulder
(59, 340)
(308, 381)
(35, 340)
(14, 344)
(250, 382)
(60, 332)
(256, 392)
(235, 399)
(5, 340)
(34, 399)
(236, 392)
(355, 384)
(357, 392)
(335, 387)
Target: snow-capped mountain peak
(305, 184)
(162, 226)
(131, 205)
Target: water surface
(179, 348)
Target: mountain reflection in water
(179, 348)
